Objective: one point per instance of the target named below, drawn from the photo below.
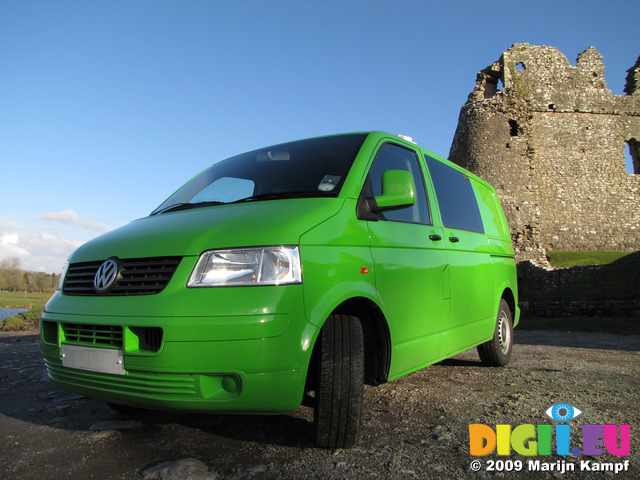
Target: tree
(11, 276)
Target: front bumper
(251, 363)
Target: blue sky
(107, 107)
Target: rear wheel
(497, 351)
(340, 383)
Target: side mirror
(398, 191)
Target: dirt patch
(414, 427)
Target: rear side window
(491, 211)
(456, 198)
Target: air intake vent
(136, 276)
(150, 338)
(93, 334)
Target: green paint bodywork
(248, 349)
(398, 188)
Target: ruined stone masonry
(551, 138)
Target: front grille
(136, 276)
(93, 334)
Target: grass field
(24, 321)
(563, 259)
(23, 299)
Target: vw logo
(105, 276)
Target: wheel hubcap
(504, 333)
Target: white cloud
(9, 246)
(45, 242)
(69, 217)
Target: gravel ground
(414, 427)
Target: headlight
(247, 266)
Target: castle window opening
(521, 66)
(492, 86)
(513, 127)
(632, 157)
(490, 90)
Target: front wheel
(340, 384)
(497, 351)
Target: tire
(340, 383)
(497, 351)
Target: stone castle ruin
(551, 138)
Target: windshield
(306, 168)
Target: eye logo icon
(563, 412)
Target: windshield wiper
(254, 198)
(186, 206)
(279, 195)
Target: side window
(456, 198)
(491, 211)
(394, 157)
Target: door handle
(435, 238)
(454, 239)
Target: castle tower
(551, 138)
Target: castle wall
(552, 142)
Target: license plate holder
(102, 360)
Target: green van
(295, 272)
